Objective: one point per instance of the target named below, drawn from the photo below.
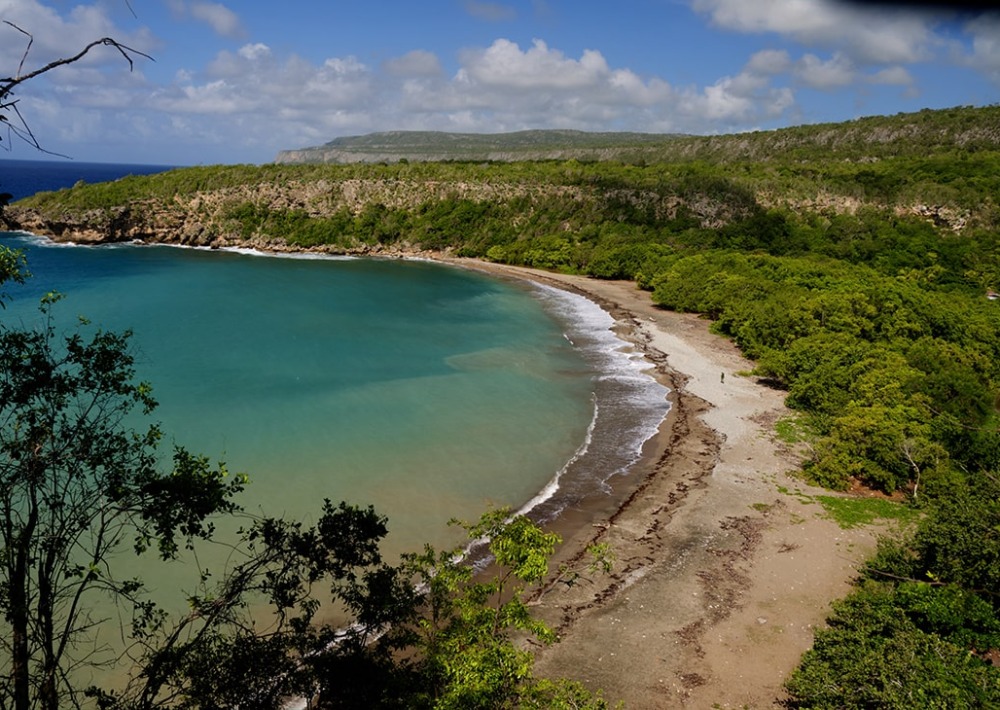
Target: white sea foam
(304, 256)
(552, 487)
(41, 240)
(629, 403)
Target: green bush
(875, 654)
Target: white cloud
(261, 96)
(223, 21)
(255, 52)
(867, 44)
(790, 16)
(220, 18)
(54, 36)
(506, 86)
(512, 88)
(230, 64)
(985, 52)
(864, 34)
(770, 61)
(833, 73)
(892, 76)
(504, 65)
(744, 100)
(348, 66)
(253, 80)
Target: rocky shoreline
(157, 225)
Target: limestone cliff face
(802, 169)
(140, 222)
(203, 218)
(209, 216)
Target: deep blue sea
(22, 178)
(427, 390)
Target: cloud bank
(257, 99)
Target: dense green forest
(855, 264)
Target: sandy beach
(724, 563)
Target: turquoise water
(426, 390)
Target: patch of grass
(854, 512)
(793, 430)
(803, 498)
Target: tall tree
(77, 487)
(11, 267)
(427, 633)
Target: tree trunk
(19, 663)
(48, 696)
(19, 614)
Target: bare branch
(9, 84)
(124, 50)
(25, 133)
(27, 49)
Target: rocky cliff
(210, 217)
(206, 217)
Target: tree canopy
(77, 486)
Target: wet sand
(724, 565)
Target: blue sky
(235, 82)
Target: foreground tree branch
(8, 104)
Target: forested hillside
(855, 263)
(873, 137)
(394, 146)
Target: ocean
(427, 390)
(22, 178)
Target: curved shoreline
(724, 563)
(721, 575)
(587, 327)
(629, 403)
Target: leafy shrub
(874, 654)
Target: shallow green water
(426, 390)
